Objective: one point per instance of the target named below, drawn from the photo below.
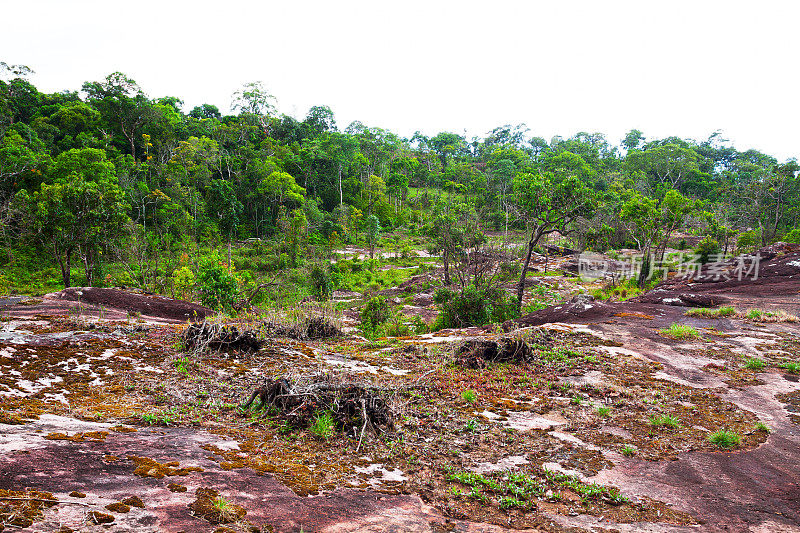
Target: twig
(364, 427)
(54, 502)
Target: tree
(547, 203)
(74, 214)
(452, 229)
(372, 226)
(226, 208)
(666, 166)
(122, 103)
(651, 224)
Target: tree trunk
(341, 195)
(446, 261)
(521, 285)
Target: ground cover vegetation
(107, 186)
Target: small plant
(471, 425)
(577, 399)
(508, 502)
(724, 438)
(680, 332)
(149, 419)
(226, 511)
(628, 450)
(323, 426)
(666, 421)
(761, 426)
(182, 365)
(469, 396)
(603, 411)
(754, 363)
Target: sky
(666, 68)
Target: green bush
(374, 313)
(793, 236)
(472, 307)
(749, 239)
(707, 248)
(322, 281)
(183, 281)
(218, 287)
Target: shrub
(217, 283)
(749, 239)
(183, 281)
(374, 313)
(793, 236)
(321, 281)
(724, 438)
(472, 307)
(707, 249)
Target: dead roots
(477, 353)
(220, 338)
(353, 407)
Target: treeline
(109, 172)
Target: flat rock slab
(101, 470)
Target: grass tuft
(323, 426)
(680, 331)
(724, 438)
(704, 312)
(469, 396)
(665, 421)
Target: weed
(666, 421)
(577, 399)
(680, 332)
(792, 367)
(754, 363)
(760, 315)
(508, 502)
(323, 426)
(761, 426)
(628, 450)
(182, 365)
(149, 419)
(724, 438)
(603, 411)
(469, 396)
(471, 425)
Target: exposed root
(478, 353)
(352, 406)
(221, 338)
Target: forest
(106, 186)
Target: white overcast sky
(666, 68)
